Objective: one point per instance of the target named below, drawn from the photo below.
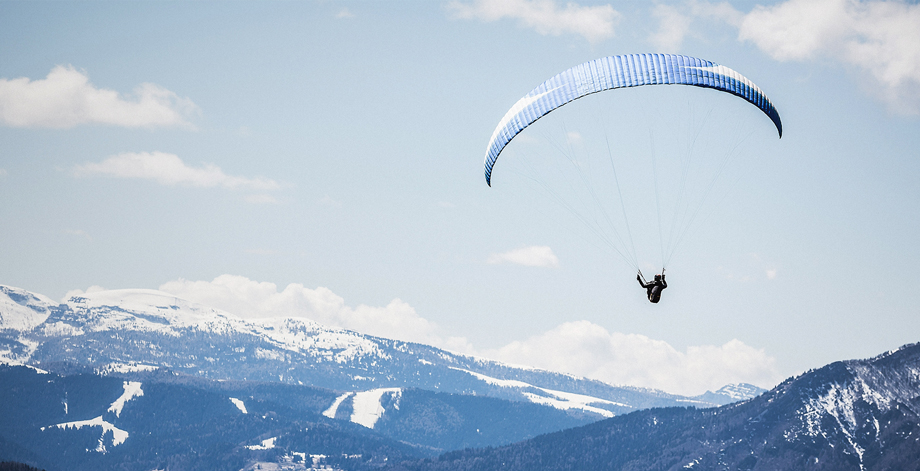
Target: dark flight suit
(654, 288)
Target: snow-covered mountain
(850, 415)
(22, 310)
(853, 415)
(146, 329)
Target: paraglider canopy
(608, 73)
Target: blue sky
(324, 159)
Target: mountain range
(141, 380)
(119, 329)
(849, 415)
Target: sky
(323, 159)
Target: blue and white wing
(608, 73)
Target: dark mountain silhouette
(157, 419)
(16, 466)
(849, 415)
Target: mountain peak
(21, 309)
(740, 391)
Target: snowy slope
(857, 398)
(118, 436)
(122, 330)
(858, 415)
(558, 399)
(22, 310)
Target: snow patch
(152, 311)
(157, 311)
(239, 405)
(565, 401)
(739, 391)
(366, 408)
(840, 400)
(22, 310)
(550, 397)
(37, 370)
(9, 357)
(317, 460)
(332, 345)
(132, 390)
(838, 403)
(330, 412)
(275, 355)
(505, 383)
(60, 329)
(119, 435)
(266, 444)
(125, 368)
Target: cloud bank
(580, 348)
(594, 23)
(66, 98)
(533, 256)
(880, 38)
(169, 169)
(586, 349)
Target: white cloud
(533, 256)
(675, 21)
(594, 23)
(251, 299)
(168, 169)
(586, 349)
(344, 13)
(673, 25)
(795, 30)
(66, 98)
(3, 172)
(80, 292)
(879, 38)
(580, 348)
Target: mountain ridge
(383, 404)
(154, 328)
(853, 414)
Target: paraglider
(618, 72)
(653, 289)
(608, 73)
